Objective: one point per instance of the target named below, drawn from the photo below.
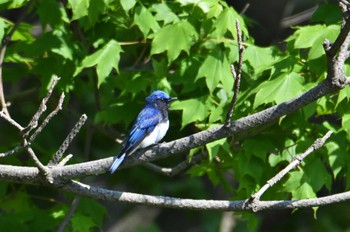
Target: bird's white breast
(156, 135)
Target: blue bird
(150, 126)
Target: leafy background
(111, 54)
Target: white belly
(156, 135)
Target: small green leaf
(96, 8)
(106, 58)
(2, 29)
(313, 37)
(216, 68)
(145, 20)
(127, 4)
(317, 175)
(14, 3)
(225, 22)
(261, 59)
(80, 8)
(217, 114)
(63, 50)
(297, 186)
(343, 94)
(164, 13)
(286, 155)
(23, 33)
(279, 90)
(58, 214)
(82, 223)
(49, 13)
(193, 110)
(213, 147)
(258, 147)
(173, 39)
(346, 123)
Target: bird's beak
(172, 99)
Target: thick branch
(164, 150)
(194, 204)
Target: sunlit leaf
(193, 110)
(127, 4)
(105, 59)
(279, 90)
(145, 20)
(173, 39)
(216, 68)
(79, 8)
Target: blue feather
(117, 163)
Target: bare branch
(296, 161)
(13, 151)
(11, 121)
(65, 160)
(194, 204)
(236, 74)
(170, 202)
(47, 119)
(58, 156)
(181, 167)
(44, 170)
(42, 108)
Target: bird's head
(159, 98)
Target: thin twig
(65, 160)
(47, 119)
(58, 156)
(70, 213)
(42, 108)
(11, 121)
(296, 161)
(236, 74)
(44, 170)
(11, 152)
(182, 166)
(245, 8)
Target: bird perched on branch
(150, 126)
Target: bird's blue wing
(145, 123)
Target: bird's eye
(162, 99)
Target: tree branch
(194, 204)
(296, 161)
(58, 156)
(236, 75)
(48, 118)
(181, 167)
(42, 108)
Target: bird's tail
(116, 163)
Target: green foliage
(111, 54)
